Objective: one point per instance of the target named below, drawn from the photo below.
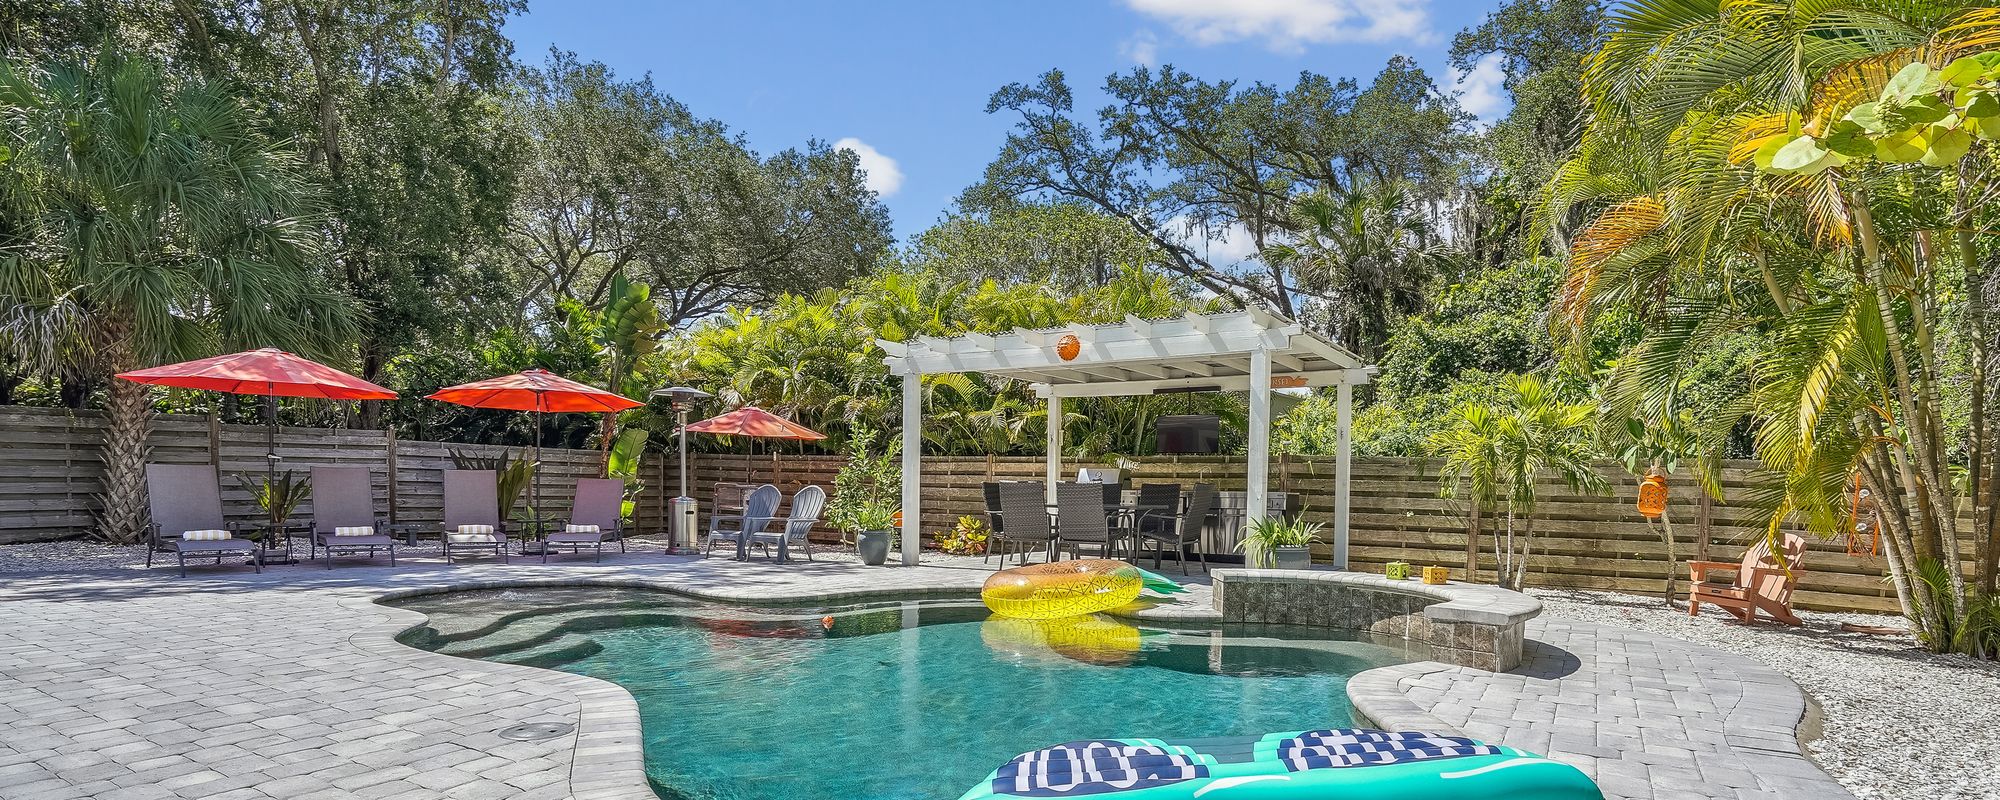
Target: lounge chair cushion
(474, 534)
(209, 535)
(575, 528)
(354, 530)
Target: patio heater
(681, 520)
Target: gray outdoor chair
(343, 515)
(472, 513)
(1179, 530)
(1081, 519)
(1025, 507)
(806, 507)
(185, 500)
(759, 508)
(996, 523)
(594, 518)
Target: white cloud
(1290, 25)
(1479, 91)
(1143, 48)
(1224, 247)
(884, 177)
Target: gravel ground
(1899, 722)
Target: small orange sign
(1288, 381)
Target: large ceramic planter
(873, 546)
(1292, 557)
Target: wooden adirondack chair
(1761, 583)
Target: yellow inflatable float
(1068, 588)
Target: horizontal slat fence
(1595, 542)
(50, 473)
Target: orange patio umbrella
(756, 423)
(536, 390)
(270, 372)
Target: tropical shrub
(967, 538)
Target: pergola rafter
(1250, 351)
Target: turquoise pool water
(899, 700)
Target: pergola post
(913, 466)
(1343, 462)
(1257, 472)
(1055, 426)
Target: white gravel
(1900, 722)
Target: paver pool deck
(229, 684)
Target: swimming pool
(897, 700)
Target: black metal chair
(1180, 530)
(1081, 518)
(1025, 507)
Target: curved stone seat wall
(1467, 624)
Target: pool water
(895, 700)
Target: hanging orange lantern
(1068, 346)
(1864, 521)
(1653, 494)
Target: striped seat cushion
(209, 535)
(354, 530)
(1353, 747)
(575, 528)
(475, 534)
(1095, 766)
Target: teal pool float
(1330, 764)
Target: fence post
(1703, 523)
(389, 440)
(215, 444)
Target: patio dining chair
(1082, 518)
(344, 522)
(1024, 505)
(186, 505)
(759, 507)
(595, 517)
(996, 523)
(795, 526)
(1179, 530)
(472, 514)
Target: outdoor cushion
(1095, 766)
(210, 535)
(354, 530)
(575, 528)
(474, 534)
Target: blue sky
(904, 83)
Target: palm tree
(154, 223)
(1368, 247)
(1705, 225)
(1500, 452)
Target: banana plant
(628, 330)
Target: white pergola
(1251, 351)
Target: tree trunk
(124, 516)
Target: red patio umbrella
(757, 423)
(536, 390)
(270, 372)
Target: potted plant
(874, 528)
(278, 496)
(865, 493)
(1276, 542)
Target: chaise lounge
(186, 505)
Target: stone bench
(1466, 624)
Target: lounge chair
(343, 515)
(1025, 506)
(1178, 530)
(796, 526)
(472, 513)
(595, 517)
(186, 504)
(1760, 584)
(1082, 519)
(759, 508)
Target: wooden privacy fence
(51, 475)
(1593, 542)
